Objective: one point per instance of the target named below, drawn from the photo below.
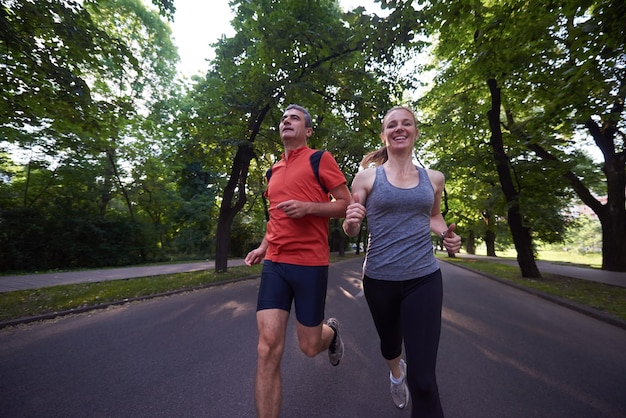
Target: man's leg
(309, 284)
(314, 340)
(272, 324)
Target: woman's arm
(451, 241)
(355, 213)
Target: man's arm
(336, 208)
(256, 256)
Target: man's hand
(294, 208)
(255, 256)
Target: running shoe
(400, 391)
(335, 351)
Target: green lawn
(27, 303)
(606, 298)
(32, 303)
(593, 260)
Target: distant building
(582, 209)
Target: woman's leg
(384, 301)
(421, 325)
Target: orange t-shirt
(302, 241)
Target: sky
(199, 23)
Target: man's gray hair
(308, 122)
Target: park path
(35, 281)
(503, 353)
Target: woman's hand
(355, 213)
(451, 241)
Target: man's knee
(271, 326)
(311, 339)
(269, 346)
(309, 349)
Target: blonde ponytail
(375, 158)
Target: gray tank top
(400, 246)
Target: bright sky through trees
(197, 24)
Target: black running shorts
(283, 283)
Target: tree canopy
(557, 71)
(107, 158)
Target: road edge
(586, 310)
(54, 315)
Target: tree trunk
(613, 249)
(236, 186)
(612, 215)
(470, 242)
(235, 190)
(490, 234)
(521, 234)
(490, 242)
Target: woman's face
(399, 129)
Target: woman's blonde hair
(380, 156)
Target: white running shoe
(400, 391)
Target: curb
(58, 314)
(586, 310)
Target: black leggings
(410, 310)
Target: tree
(286, 52)
(78, 81)
(521, 233)
(558, 69)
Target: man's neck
(292, 147)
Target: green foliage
(560, 68)
(106, 160)
(584, 235)
(32, 240)
(79, 79)
(288, 52)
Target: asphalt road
(503, 353)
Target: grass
(77, 297)
(29, 303)
(592, 260)
(606, 298)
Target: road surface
(503, 353)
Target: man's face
(292, 127)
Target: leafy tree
(289, 52)
(547, 71)
(78, 81)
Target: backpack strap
(315, 159)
